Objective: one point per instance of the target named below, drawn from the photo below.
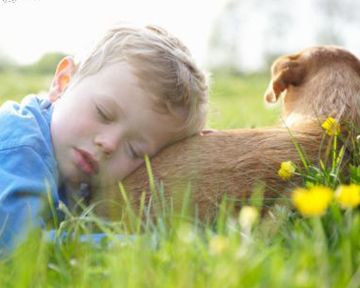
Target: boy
(135, 92)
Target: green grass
(238, 102)
(15, 85)
(283, 249)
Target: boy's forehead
(121, 71)
(116, 88)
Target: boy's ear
(63, 74)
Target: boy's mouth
(86, 162)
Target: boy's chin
(71, 181)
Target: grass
(282, 249)
(237, 102)
(15, 86)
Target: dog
(316, 83)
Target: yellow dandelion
(313, 201)
(248, 216)
(287, 170)
(348, 196)
(218, 245)
(331, 126)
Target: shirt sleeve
(25, 186)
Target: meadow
(285, 248)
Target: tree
(6, 63)
(223, 44)
(45, 65)
(335, 16)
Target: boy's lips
(86, 162)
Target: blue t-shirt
(29, 176)
(28, 170)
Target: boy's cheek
(120, 170)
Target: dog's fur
(319, 82)
(316, 83)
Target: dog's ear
(286, 71)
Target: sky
(30, 28)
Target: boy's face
(104, 125)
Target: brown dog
(319, 82)
(316, 83)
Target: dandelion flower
(286, 170)
(348, 196)
(331, 126)
(313, 201)
(218, 245)
(248, 216)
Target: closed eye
(103, 115)
(133, 153)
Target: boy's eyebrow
(112, 103)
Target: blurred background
(235, 40)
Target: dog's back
(317, 82)
(228, 163)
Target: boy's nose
(107, 144)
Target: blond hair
(164, 67)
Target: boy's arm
(25, 181)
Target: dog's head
(317, 82)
